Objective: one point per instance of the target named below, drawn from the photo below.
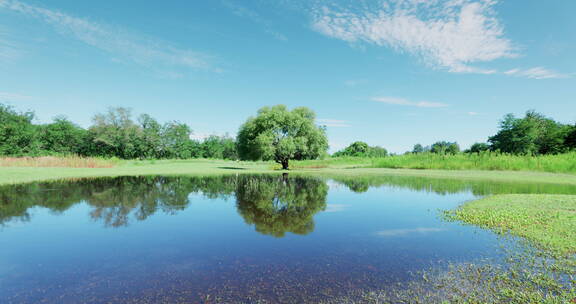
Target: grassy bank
(548, 221)
(10, 175)
(488, 161)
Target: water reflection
(274, 204)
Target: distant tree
(478, 147)
(418, 148)
(115, 134)
(445, 147)
(361, 149)
(358, 148)
(18, 136)
(150, 140)
(377, 151)
(62, 136)
(533, 134)
(175, 139)
(281, 135)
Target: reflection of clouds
(399, 232)
(335, 207)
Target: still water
(232, 239)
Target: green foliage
(361, 149)
(444, 147)
(62, 137)
(478, 148)
(534, 134)
(281, 135)
(562, 163)
(418, 148)
(18, 136)
(220, 147)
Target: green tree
(63, 136)
(531, 135)
(478, 147)
(281, 135)
(115, 134)
(445, 147)
(418, 148)
(18, 136)
(176, 142)
(362, 149)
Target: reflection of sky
(208, 245)
(400, 232)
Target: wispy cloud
(473, 113)
(7, 96)
(401, 232)
(333, 122)
(119, 42)
(445, 34)
(406, 102)
(535, 73)
(245, 12)
(8, 50)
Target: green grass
(563, 163)
(548, 221)
(11, 175)
(489, 161)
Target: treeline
(361, 149)
(533, 134)
(112, 134)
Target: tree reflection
(274, 204)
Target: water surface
(233, 239)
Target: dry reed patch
(61, 162)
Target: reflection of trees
(274, 204)
(450, 185)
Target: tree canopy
(533, 134)
(362, 149)
(281, 135)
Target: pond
(232, 239)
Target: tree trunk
(284, 164)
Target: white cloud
(449, 34)
(406, 102)
(473, 113)
(401, 232)
(117, 41)
(333, 122)
(6, 96)
(535, 73)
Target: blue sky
(391, 73)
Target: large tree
(279, 134)
(533, 134)
(18, 136)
